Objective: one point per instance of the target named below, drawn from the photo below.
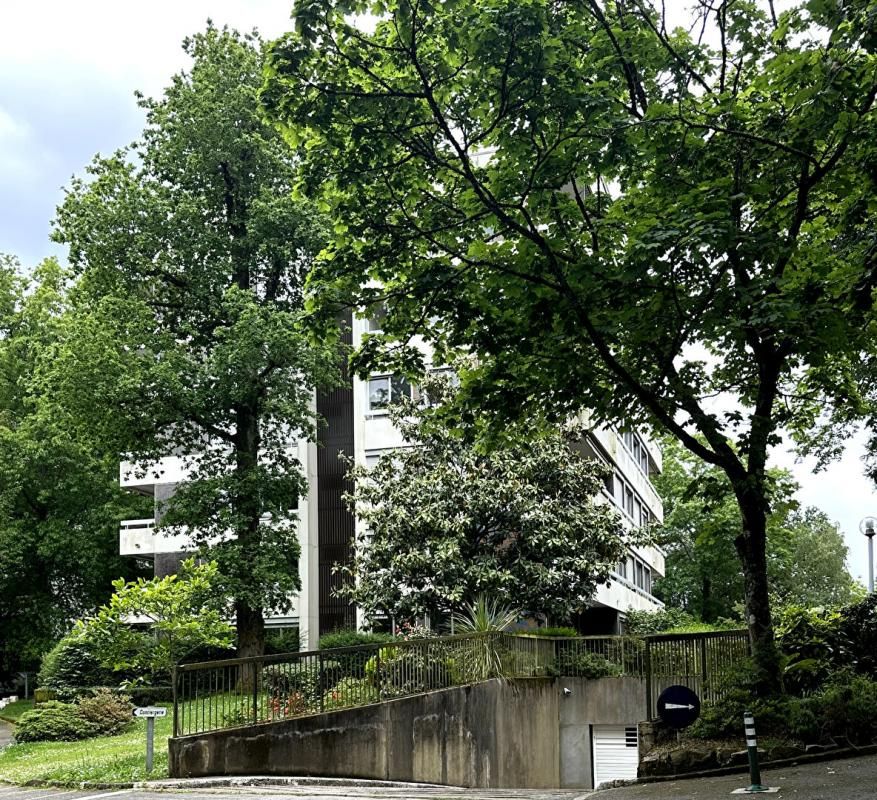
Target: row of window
(628, 500)
(388, 390)
(637, 572)
(637, 448)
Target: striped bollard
(752, 748)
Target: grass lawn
(110, 759)
(14, 710)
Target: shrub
(644, 623)
(858, 629)
(353, 663)
(350, 692)
(811, 642)
(849, 708)
(549, 632)
(302, 680)
(71, 663)
(108, 711)
(52, 722)
(286, 640)
(583, 665)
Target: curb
(275, 780)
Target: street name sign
(678, 706)
(150, 711)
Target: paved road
(850, 779)
(5, 734)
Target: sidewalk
(848, 779)
(5, 734)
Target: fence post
(174, 677)
(255, 675)
(378, 682)
(703, 670)
(320, 679)
(649, 679)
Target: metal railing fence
(215, 695)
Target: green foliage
(644, 623)
(60, 500)
(446, 522)
(848, 707)
(74, 662)
(549, 632)
(806, 553)
(484, 615)
(634, 227)
(183, 615)
(108, 711)
(350, 692)
(189, 333)
(352, 664)
(583, 665)
(285, 640)
(352, 638)
(54, 721)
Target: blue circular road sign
(678, 706)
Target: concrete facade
(517, 734)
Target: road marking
(105, 794)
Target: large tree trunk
(751, 547)
(250, 621)
(250, 630)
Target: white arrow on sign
(150, 711)
(677, 705)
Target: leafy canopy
(60, 501)
(189, 335)
(612, 213)
(444, 523)
(806, 554)
(148, 626)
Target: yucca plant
(483, 656)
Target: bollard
(752, 748)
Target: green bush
(353, 663)
(550, 632)
(583, 665)
(849, 708)
(350, 692)
(286, 640)
(812, 645)
(301, 682)
(52, 722)
(644, 623)
(858, 632)
(72, 663)
(108, 711)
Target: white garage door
(616, 755)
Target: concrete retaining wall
(524, 734)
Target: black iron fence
(214, 695)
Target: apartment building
(357, 423)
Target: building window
(386, 390)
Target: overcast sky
(68, 71)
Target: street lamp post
(867, 526)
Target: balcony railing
(137, 537)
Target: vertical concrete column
(308, 537)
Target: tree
(443, 523)
(183, 613)
(189, 334)
(60, 501)
(806, 554)
(612, 213)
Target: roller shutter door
(616, 754)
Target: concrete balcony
(138, 537)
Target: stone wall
(523, 734)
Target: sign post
(150, 713)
